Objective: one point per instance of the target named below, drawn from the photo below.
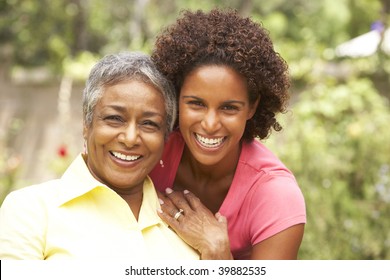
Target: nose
(211, 122)
(129, 136)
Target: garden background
(336, 136)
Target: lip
(212, 140)
(124, 159)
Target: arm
(283, 243)
(282, 246)
(197, 226)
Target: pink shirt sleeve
(276, 203)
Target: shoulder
(173, 148)
(263, 181)
(38, 189)
(272, 188)
(174, 143)
(32, 196)
(256, 155)
(258, 166)
(23, 221)
(271, 179)
(163, 174)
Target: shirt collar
(148, 214)
(78, 180)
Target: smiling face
(214, 108)
(126, 137)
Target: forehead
(213, 68)
(213, 80)
(133, 94)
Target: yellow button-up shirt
(78, 217)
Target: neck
(217, 171)
(133, 197)
(210, 183)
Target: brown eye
(195, 103)
(113, 118)
(229, 108)
(150, 126)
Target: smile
(209, 142)
(125, 157)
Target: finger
(167, 206)
(193, 200)
(160, 195)
(178, 215)
(178, 199)
(164, 200)
(187, 231)
(167, 218)
(220, 218)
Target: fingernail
(161, 201)
(159, 211)
(168, 190)
(186, 191)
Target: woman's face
(213, 110)
(126, 137)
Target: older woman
(104, 206)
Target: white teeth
(124, 157)
(209, 142)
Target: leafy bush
(337, 143)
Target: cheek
(187, 117)
(97, 143)
(235, 125)
(101, 135)
(155, 144)
(182, 119)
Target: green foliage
(9, 168)
(78, 68)
(10, 163)
(337, 144)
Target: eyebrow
(116, 108)
(123, 110)
(224, 102)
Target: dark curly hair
(223, 37)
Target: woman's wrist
(219, 250)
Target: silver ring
(178, 214)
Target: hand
(196, 224)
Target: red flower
(62, 151)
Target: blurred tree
(342, 164)
(70, 26)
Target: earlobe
(85, 147)
(85, 131)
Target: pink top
(264, 197)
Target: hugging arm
(208, 233)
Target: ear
(85, 131)
(253, 108)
